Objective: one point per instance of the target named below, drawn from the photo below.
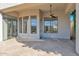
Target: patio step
(27, 39)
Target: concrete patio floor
(37, 48)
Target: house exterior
(33, 21)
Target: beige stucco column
(77, 28)
(1, 28)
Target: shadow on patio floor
(57, 47)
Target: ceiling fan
(51, 14)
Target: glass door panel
(12, 28)
(9, 22)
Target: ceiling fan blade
(53, 16)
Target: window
(33, 24)
(47, 26)
(50, 25)
(54, 26)
(25, 19)
(20, 25)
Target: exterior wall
(5, 36)
(1, 30)
(63, 27)
(77, 28)
(28, 34)
(63, 24)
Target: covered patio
(34, 21)
(31, 26)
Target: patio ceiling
(42, 6)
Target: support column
(77, 28)
(22, 24)
(1, 28)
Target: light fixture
(51, 14)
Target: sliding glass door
(9, 24)
(12, 28)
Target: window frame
(20, 18)
(25, 18)
(50, 25)
(31, 24)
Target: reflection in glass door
(12, 28)
(9, 28)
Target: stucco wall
(63, 26)
(28, 34)
(1, 30)
(77, 28)
(5, 27)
